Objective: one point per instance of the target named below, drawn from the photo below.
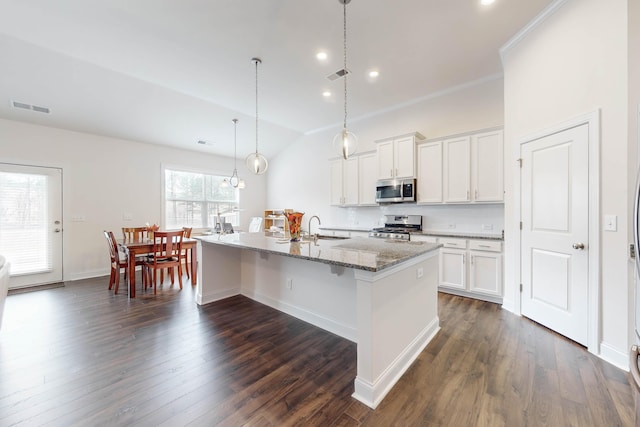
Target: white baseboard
(342, 330)
(614, 356)
(88, 274)
(371, 394)
(216, 296)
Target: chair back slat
(167, 243)
(134, 233)
(113, 245)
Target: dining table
(135, 247)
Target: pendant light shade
(234, 180)
(345, 143)
(256, 162)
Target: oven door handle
(633, 365)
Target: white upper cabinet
(344, 182)
(353, 181)
(472, 169)
(385, 160)
(368, 175)
(429, 183)
(457, 168)
(487, 167)
(396, 156)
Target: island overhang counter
(380, 294)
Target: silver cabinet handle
(578, 246)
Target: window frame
(194, 170)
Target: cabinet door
(368, 175)
(452, 268)
(385, 160)
(456, 169)
(429, 181)
(485, 273)
(336, 181)
(487, 161)
(404, 157)
(350, 181)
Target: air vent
(338, 74)
(25, 106)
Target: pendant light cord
(235, 145)
(257, 61)
(344, 3)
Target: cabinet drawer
(485, 245)
(453, 243)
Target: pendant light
(256, 162)
(345, 142)
(234, 180)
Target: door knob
(578, 246)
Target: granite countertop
(436, 233)
(346, 228)
(462, 234)
(359, 252)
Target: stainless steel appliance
(396, 190)
(398, 227)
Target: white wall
(299, 176)
(573, 63)
(633, 52)
(106, 177)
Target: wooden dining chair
(117, 263)
(186, 253)
(134, 233)
(167, 250)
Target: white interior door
(31, 223)
(555, 264)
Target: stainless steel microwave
(396, 190)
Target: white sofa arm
(4, 284)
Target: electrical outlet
(127, 216)
(419, 272)
(289, 283)
(451, 226)
(487, 227)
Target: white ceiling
(175, 72)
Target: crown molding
(531, 26)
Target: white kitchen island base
(391, 314)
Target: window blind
(24, 223)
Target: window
(194, 199)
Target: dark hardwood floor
(80, 356)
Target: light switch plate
(610, 223)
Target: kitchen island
(380, 294)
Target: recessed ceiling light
(326, 94)
(486, 2)
(374, 73)
(322, 56)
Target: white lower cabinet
(453, 263)
(485, 268)
(471, 268)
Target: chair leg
(155, 270)
(117, 281)
(112, 279)
(179, 274)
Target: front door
(31, 223)
(555, 198)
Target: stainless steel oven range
(398, 227)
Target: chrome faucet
(315, 216)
